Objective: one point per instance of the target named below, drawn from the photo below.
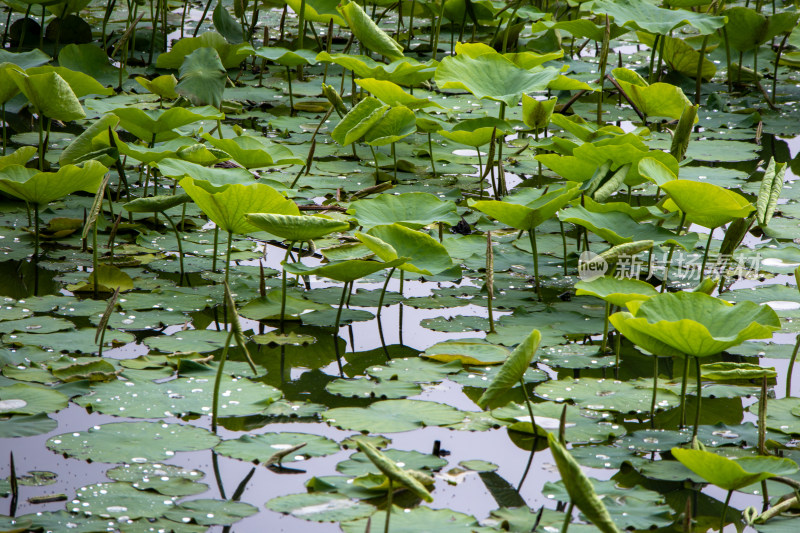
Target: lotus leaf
(512, 371)
(202, 77)
(295, 228)
(405, 71)
(157, 125)
(531, 214)
(359, 120)
(262, 447)
(255, 152)
(643, 15)
(733, 474)
(26, 426)
(117, 500)
(41, 188)
(656, 100)
(467, 351)
(413, 209)
(392, 94)
(418, 519)
(393, 416)
(81, 83)
(616, 291)
(49, 94)
(398, 123)
(230, 54)
(345, 271)
(707, 204)
(369, 33)
(319, 10)
(169, 480)
(24, 399)
(367, 388)
(163, 86)
(320, 507)
(211, 512)
(390, 241)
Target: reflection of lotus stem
(705, 255)
(490, 279)
(655, 392)
(563, 245)
(683, 390)
(291, 97)
(430, 151)
(533, 429)
(180, 247)
(791, 368)
(532, 235)
(217, 474)
(617, 350)
(699, 396)
(283, 286)
(400, 310)
(217, 381)
(383, 291)
(345, 293)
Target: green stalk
(617, 350)
(217, 381)
(774, 72)
(604, 342)
(563, 245)
(411, 23)
(508, 26)
(216, 245)
(653, 58)
(4, 128)
(435, 45)
(394, 158)
(400, 310)
(699, 78)
(383, 292)
(684, 382)
(568, 517)
(699, 396)
(41, 139)
(532, 236)
(227, 256)
(389, 496)
(705, 254)
(36, 249)
(762, 418)
(655, 392)
(725, 510)
(345, 293)
(202, 18)
(283, 286)
(291, 97)
(180, 246)
(430, 151)
(375, 158)
(533, 428)
(603, 65)
(94, 258)
(489, 279)
(791, 367)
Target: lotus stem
(217, 381)
(568, 517)
(216, 246)
(94, 259)
(563, 245)
(653, 58)
(775, 70)
(762, 418)
(202, 18)
(345, 293)
(4, 123)
(603, 64)
(394, 158)
(604, 342)
(725, 510)
(532, 236)
(400, 309)
(655, 393)
(705, 254)
(490, 279)
(180, 248)
(389, 496)
(617, 350)
(699, 396)
(41, 139)
(283, 287)
(791, 367)
(435, 36)
(291, 97)
(684, 382)
(699, 76)
(508, 25)
(36, 249)
(227, 257)
(533, 428)
(383, 291)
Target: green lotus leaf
(320, 507)
(656, 100)
(393, 416)
(693, 323)
(536, 113)
(269, 307)
(732, 371)
(491, 76)
(579, 28)
(391, 470)
(368, 33)
(229, 205)
(680, 56)
(405, 71)
(157, 125)
(179, 169)
(733, 474)
(295, 228)
(585, 131)
(707, 204)
(260, 448)
(255, 152)
(359, 120)
(531, 214)
(656, 171)
(156, 204)
(580, 488)
(230, 54)
(42, 188)
(84, 145)
(81, 84)
(512, 371)
(398, 123)
(8, 87)
(642, 15)
(24, 399)
(211, 512)
(367, 388)
(108, 278)
(90, 58)
(135, 442)
(287, 58)
(616, 291)
(344, 271)
(202, 77)
(49, 94)
(467, 352)
(748, 29)
(169, 480)
(416, 520)
(319, 10)
(770, 191)
(606, 394)
(390, 241)
(163, 86)
(359, 464)
(32, 58)
(412, 209)
(117, 500)
(26, 426)
(620, 228)
(476, 131)
(392, 94)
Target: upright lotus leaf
(8, 87)
(41, 188)
(476, 131)
(319, 10)
(392, 94)
(228, 205)
(163, 86)
(536, 113)
(406, 71)
(616, 291)
(156, 204)
(656, 100)
(733, 474)
(49, 94)
(254, 152)
(32, 58)
(390, 241)
(81, 84)
(642, 15)
(359, 121)
(91, 59)
(655, 171)
(680, 56)
(512, 371)
(20, 156)
(706, 204)
(391, 470)
(769, 192)
(736, 371)
(202, 77)
(492, 76)
(527, 216)
(579, 28)
(580, 488)
(230, 54)
(368, 33)
(158, 124)
(748, 29)
(693, 323)
(411, 209)
(84, 144)
(398, 123)
(178, 169)
(287, 58)
(295, 228)
(344, 271)
(585, 131)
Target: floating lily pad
(318, 507)
(26, 426)
(169, 480)
(418, 519)
(135, 442)
(359, 464)
(193, 340)
(574, 356)
(469, 352)
(24, 399)
(260, 448)
(211, 512)
(116, 500)
(77, 340)
(367, 388)
(392, 416)
(414, 369)
(605, 395)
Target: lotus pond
(415, 266)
